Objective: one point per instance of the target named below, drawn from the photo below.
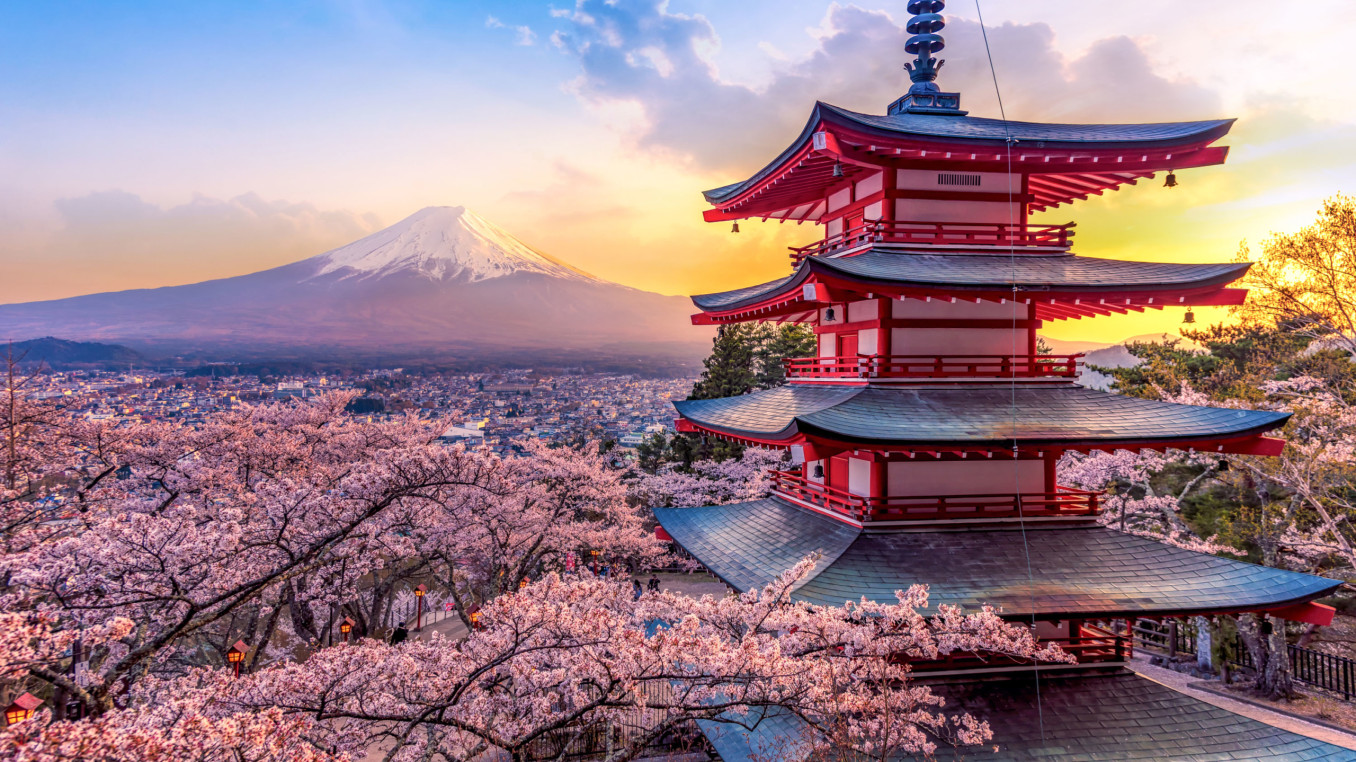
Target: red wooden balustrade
(1064, 501)
(935, 366)
(940, 234)
(1092, 645)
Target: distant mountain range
(60, 353)
(443, 282)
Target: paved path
(1183, 684)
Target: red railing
(1064, 501)
(1092, 645)
(941, 234)
(934, 366)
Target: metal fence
(1321, 670)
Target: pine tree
(730, 366)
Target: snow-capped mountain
(442, 282)
(442, 243)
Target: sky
(157, 142)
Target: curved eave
(818, 281)
(1088, 572)
(964, 419)
(870, 142)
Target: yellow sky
(164, 144)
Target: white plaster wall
(840, 199)
(871, 184)
(965, 477)
(839, 315)
(938, 210)
(1052, 629)
(873, 211)
(868, 309)
(867, 341)
(938, 309)
(828, 344)
(957, 342)
(859, 476)
(989, 182)
(833, 227)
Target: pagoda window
(915, 478)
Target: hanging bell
(837, 169)
(830, 315)
(735, 229)
(819, 471)
(1171, 182)
(1189, 317)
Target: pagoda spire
(924, 97)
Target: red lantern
(22, 709)
(236, 655)
(419, 598)
(346, 627)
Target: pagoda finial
(925, 97)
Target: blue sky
(151, 143)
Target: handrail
(1064, 501)
(1092, 645)
(934, 366)
(924, 233)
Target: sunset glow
(157, 143)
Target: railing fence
(1321, 670)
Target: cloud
(114, 240)
(525, 35)
(638, 52)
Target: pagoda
(924, 436)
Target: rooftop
(1119, 716)
(1047, 413)
(1076, 571)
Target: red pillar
(1031, 327)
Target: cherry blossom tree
(566, 658)
(709, 482)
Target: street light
(419, 600)
(22, 709)
(346, 627)
(237, 655)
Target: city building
(925, 434)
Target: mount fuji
(441, 283)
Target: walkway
(1183, 683)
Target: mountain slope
(443, 281)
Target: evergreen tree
(730, 366)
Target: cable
(1016, 463)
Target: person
(635, 585)
(399, 635)
(654, 584)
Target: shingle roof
(1084, 571)
(1031, 414)
(1120, 716)
(974, 130)
(1051, 272)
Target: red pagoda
(925, 434)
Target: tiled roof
(978, 130)
(1031, 414)
(1053, 272)
(1084, 571)
(981, 128)
(1120, 716)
